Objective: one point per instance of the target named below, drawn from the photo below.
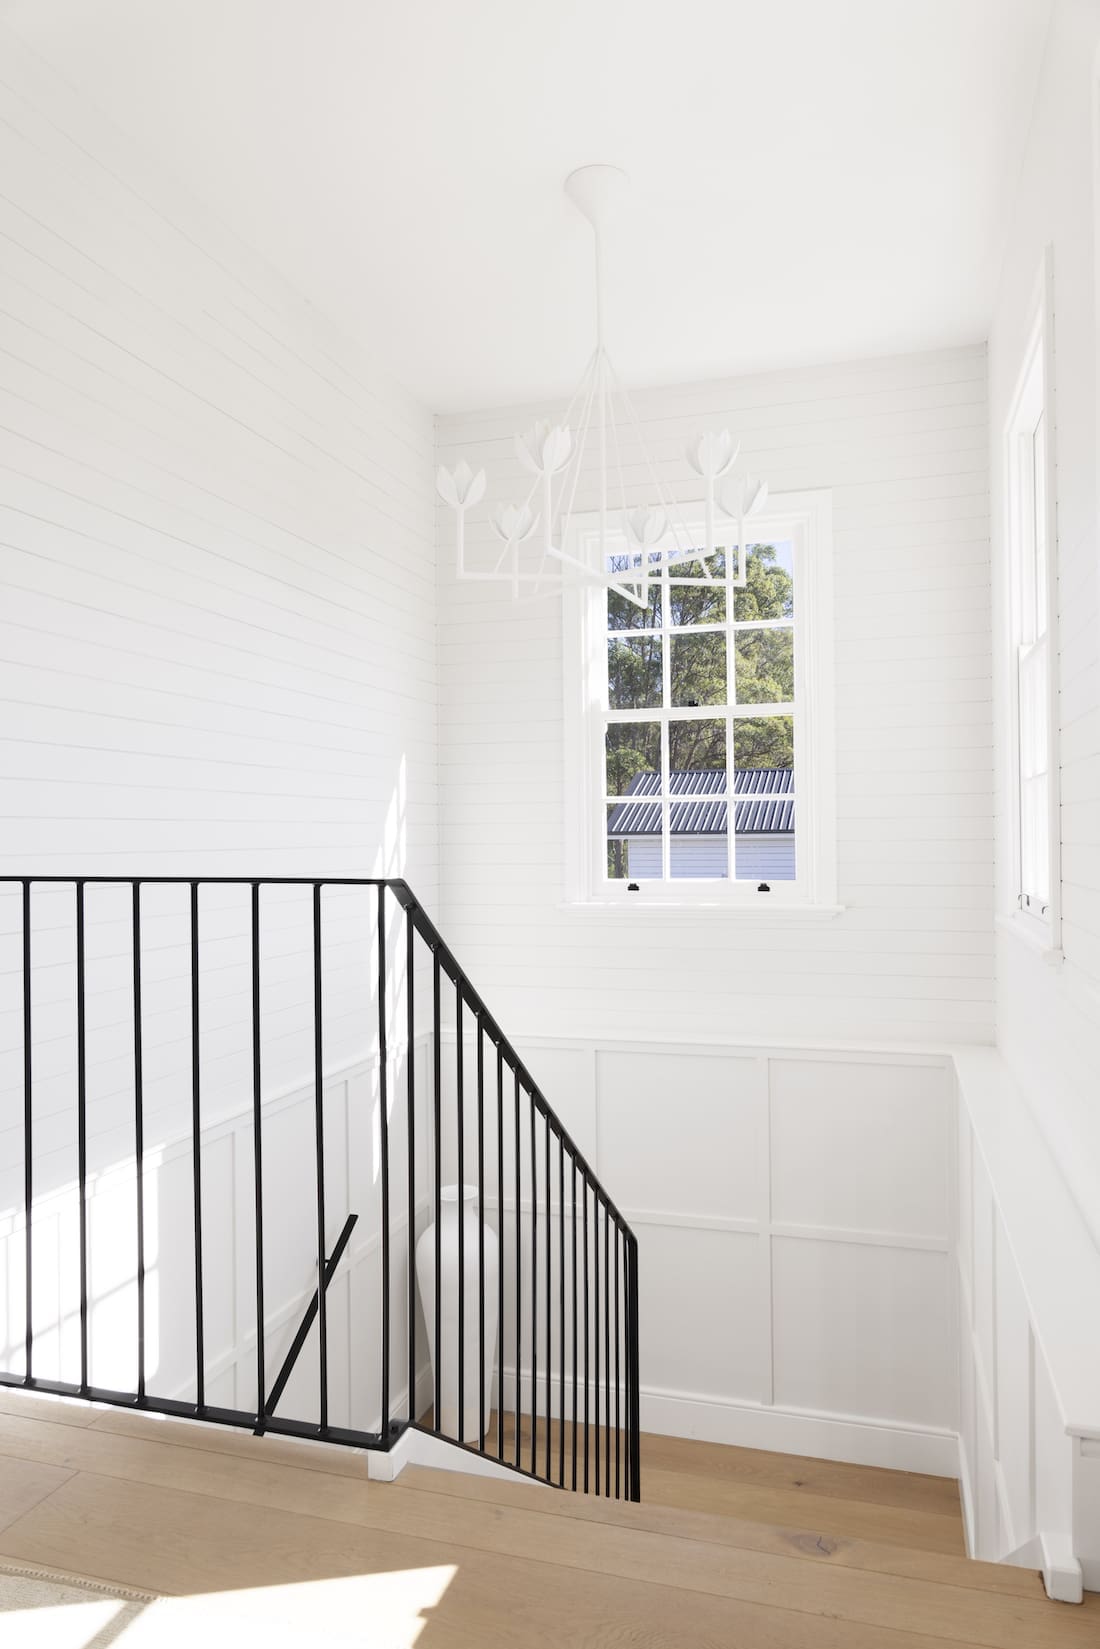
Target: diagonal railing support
(308, 1320)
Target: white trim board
(1058, 1263)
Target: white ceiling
(813, 179)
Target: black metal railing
(528, 1350)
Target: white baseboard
(850, 1438)
(857, 1439)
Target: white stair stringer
(422, 1448)
(1054, 1557)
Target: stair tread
(792, 1539)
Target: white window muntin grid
(729, 711)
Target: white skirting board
(858, 1441)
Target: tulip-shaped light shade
(461, 489)
(712, 456)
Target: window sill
(695, 907)
(1034, 934)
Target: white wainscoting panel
(794, 1210)
(1029, 1280)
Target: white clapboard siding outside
(761, 854)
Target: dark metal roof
(767, 804)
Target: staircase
(145, 1017)
(237, 1535)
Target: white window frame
(805, 520)
(1031, 537)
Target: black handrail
(563, 1308)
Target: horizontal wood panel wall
(1048, 1019)
(217, 616)
(902, 443)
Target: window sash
(666, 714)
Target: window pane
(763, 754)
(634, 680)
(699, 849)
(769, 587)
(696, 603)
(634, 841)
(696, 753)
(764, 845)
(697, 669)
(627, 615)
(764, 666)
(633, 756)
(765, 742)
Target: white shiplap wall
(1049, 1008)
(217, 628)
(902, 443)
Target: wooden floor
(730, 1547)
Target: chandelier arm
(581, 386)
(617, 446)
(665, 494)
(572, 474)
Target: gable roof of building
(763, 803)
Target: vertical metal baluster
(460, 1131)
(617, 1374)
(607, 1348)
(437, 1103)
(257, 1158)
(534, 1282)
(561, 1309)
(549, 1343)
(139, 1140)
(196, 1153)
(596, 1333)
(634, 1391)
(28, 1139)
(82, 1133)
(384, 1153)
(500, 1252)
(482, 1418)
(573, 1210)
(519, 1282)
(584, 1232)
(319, 1158)
(410, 1096)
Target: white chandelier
(637, 534)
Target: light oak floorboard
(171, 1541)
(781, 1580)
(330, 1458)
(912, 1490)
(64, 1411)
(875, 1504)
(895, 1525)
(810, 1544)
(23, 1483)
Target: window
(716, 692)
(1028, 463)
